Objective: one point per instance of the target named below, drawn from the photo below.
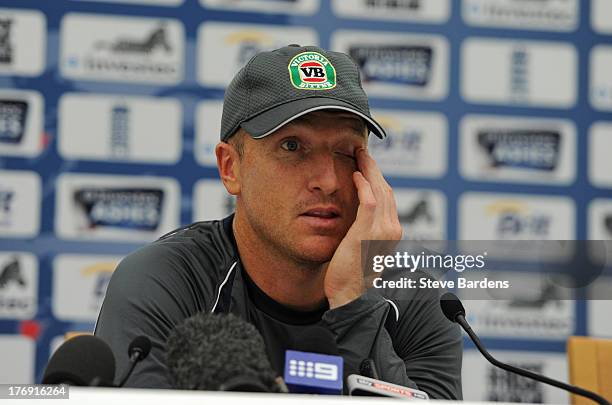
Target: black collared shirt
(197, 268)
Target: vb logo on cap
(312, 71)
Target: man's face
(296, 187)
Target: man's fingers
(381, 189)
(367, 200)
(383, 222)
(369, 168)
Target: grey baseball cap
(278, 86)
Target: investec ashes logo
(394, 64)
(312, 71)
(138, 209)
(522, 148)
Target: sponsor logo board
(416, 143)
(499, 71)
(120, 128)
(484, 382)
(600, 145)
(124, 49)
(297, 7)
(22, 42)
(20, 353)
(18, 285)
(224, 48)
(79, 285)
(601, 10)
(398, 65)
(208, 130)
(422, 213)
(518, 149)
(211, 200)
(128, 208)
(549, 15)
(537, 307)
(492, 216)
(21, 123)
(417, 11)
(20, 197)
(600, 93)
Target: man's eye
(346, 154)
(290, 145)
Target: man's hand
(376, 219)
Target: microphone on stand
(313, 364)
(219, 353)
(369, 384)
(137, 351)
(359, 386)
(84, 360)
(313, 373)
(454, 311)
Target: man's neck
(295, 285)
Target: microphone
(454, 311)
(313, 373)
(219, 353)
(137, 351)
(82, 361)
(316, 345)
(365, 386)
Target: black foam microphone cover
(218, 352)
(79, 361)
(451, 306)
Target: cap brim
(269, 121)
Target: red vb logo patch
(312, 71)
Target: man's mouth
(326, 213)
(322, 219)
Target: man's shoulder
(207, 234)
(202, 249)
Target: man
(293, 151)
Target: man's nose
(323, 174)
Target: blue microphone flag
(313, 373)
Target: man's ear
(228, 163)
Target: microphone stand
(460, 319)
